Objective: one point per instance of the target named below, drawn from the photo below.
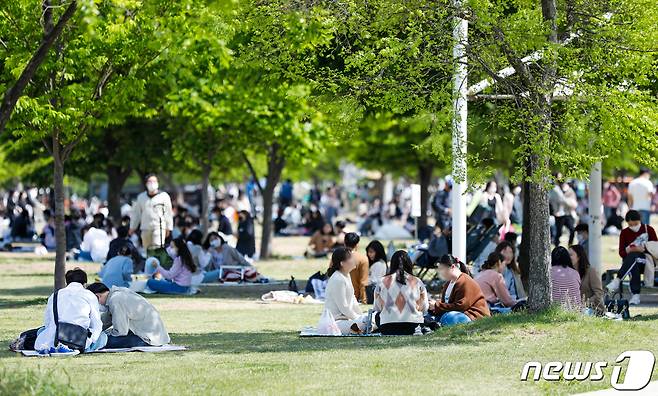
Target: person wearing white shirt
(640, 195)
(153, 214)
(377, 260)
(75, 305)
(339, 294)
(96, 242)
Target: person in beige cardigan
(135, 322)
(591, 287)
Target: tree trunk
(204, 199)
(116, 179)
(524, 255)
(425, 175)
(537, 235)
(275, 164)
(60, 231)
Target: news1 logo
(636, 376)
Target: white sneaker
(614, 285)
(635, 300)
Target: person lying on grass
(461, 299)
(339, 295)
(400, 298)
(135, 322)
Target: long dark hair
(513, 264)
(337, 257)
(583, 260)
(449, 260)
(401, 263)
(493, 259)
(380, 253)
(560, 256)
(184, 254)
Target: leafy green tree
(579, 99)
(52, 30)
(275, 47)
(94, 79)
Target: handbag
(72, 335)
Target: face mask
(152, 186)
(636, 228)
(215, 243)
(172, 252)
(581, 238)
(442, 277)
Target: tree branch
(253, 172)
(14, 92)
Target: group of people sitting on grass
(401, 302)
(92, 317)
(193, 261)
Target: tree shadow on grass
(476, 333)
(28, 291)
(9, 304)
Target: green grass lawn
(240, 346)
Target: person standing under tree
(640, 195)
(153, 215)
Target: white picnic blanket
(163, 348)
(310, 331)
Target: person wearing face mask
(152, 214)
(632, 247)
(178, 279)
(462, 300)
(134, 321)
(217, 253)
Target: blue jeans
(453, 318)
(84, 256)
(128, 341)
(211, 276)
(645, 215)
(166, 286)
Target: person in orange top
(359, 274)
(321, 242)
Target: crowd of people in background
(164, 240)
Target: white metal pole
(459, 131)
(595, 233)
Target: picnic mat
(163, 348)
(313, 332)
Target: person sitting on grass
(512, 273)
(359, 275)
(321, 242)
(632, 247)
(118, 270)
(77, 306)
(218, 253)
(400, 298)
(123, 239)
(339, 294)
(377, 262)
(178, 279)
(135, 322)
(492, 283)
(591, 288)
(461, 299)
(194, 242)
(565, 280)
